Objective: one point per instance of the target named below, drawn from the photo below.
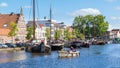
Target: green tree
(13, 30)
(29, 33)
(47, 34)
(90, 25)
(58, 34)
(68, 35)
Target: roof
(5, 19)
(116, 30)
(41, 25)
(4, 32)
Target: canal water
(99, 56)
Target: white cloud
(3, 4)
(111, 0)
(117, 8)
(87, 11)
(27, 7)
(115, 18)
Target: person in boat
(73, 49)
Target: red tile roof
(4, 32)
(7, 18)
(41, 25)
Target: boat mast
(34, 20)
(50, 22)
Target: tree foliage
(68, 35)
(13, 29)
(29, 33)
(90, 25)
(47, 34)
(58, 34)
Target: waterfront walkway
(11, 49)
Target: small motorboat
(68, 54)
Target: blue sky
(66, 10)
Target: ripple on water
(106, 56)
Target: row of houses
(40, 31)
(5, 20)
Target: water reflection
(9, 56)
(106, 56)
(39, 54)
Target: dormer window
(5, 25)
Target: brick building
(5, 20)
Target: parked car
(20, 44)
(3, 46)
(10, 45)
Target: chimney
(11, 14)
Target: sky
(65, 10)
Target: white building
(40, 31)
(115, 33)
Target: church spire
(21, 11)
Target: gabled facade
(5, 20)
(39, 31)
(115, 33)
(46, 24)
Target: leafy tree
(90, 25)
(29, 33)
(47, 34)
(13, 30)
(68, 35)
(58, 34)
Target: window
(5, 25)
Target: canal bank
(12, 49)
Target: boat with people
(68, 54)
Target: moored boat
(38, 48)
(57, 46)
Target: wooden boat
(32, 46)
(99, 42)
(68, 54)
(78, 44)
(38, 48)
(57, 46)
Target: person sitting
(72, 48)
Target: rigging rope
(37, 9)
(30, 11)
